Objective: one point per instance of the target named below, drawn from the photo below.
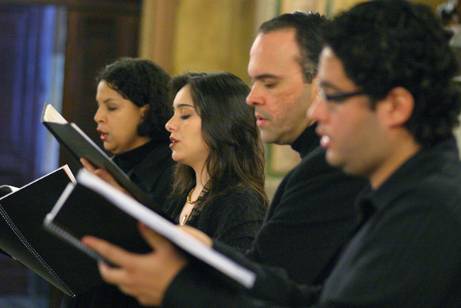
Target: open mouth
(173, 141)
(103, 136)
(260, 121)
(325, 141)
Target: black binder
(80, 145)
(92, 207)
(23, 237)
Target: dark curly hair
(144, 83)
(384, 44)
(308, 27)
(236, 153)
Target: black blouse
(233, 217)
(149, 166)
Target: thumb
(87, 165)
(155, 240)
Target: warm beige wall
(158, 22)
(198, 35)
(302, 5)
(432, 3)
(213, 35)
(326, 7)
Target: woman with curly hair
(133, 106)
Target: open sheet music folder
(112, 213)
(80, 145)
(23, 237)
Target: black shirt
(311, 216)
(407, 252)
(232, 217)
(149, 166)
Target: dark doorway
(50, 52)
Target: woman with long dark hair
(218, 184)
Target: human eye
(270, 84)
(185, 116)
(111, 107)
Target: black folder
(81, 146)
(92, 207)
(23, 237)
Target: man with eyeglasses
(387, 112)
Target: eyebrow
(183, 105)
(106, 101)
(265, 76)
(326, 84)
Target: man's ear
(314, 88)
(397, 107)
(313, 97)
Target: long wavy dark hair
(236, 155)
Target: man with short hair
(388, 111)
(306, 223)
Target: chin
(176, 158)
(266, 135)
(110, 149)
(347, 167)
(265, 138)
(334, 160)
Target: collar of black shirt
(307, 141)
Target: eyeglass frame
(339, 97)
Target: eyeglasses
(339, 97)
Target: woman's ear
(397, 107)
(144, 110)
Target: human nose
(254, 97)
(169, 126)
(98, 116)
(317, 111)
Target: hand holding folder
(93, 207)
(134, 273)
(102, 174)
